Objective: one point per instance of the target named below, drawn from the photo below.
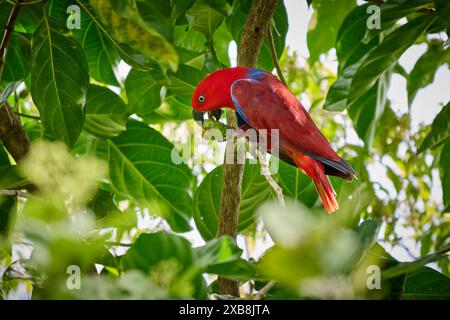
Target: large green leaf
(296, 185)
(127, 26)
(206, 16)
(141, 168)
(143, 92)
(129, 55)
(152, 248)
(169, 261)
(392, 11)
(386, 55)
(217, 251)
(185, 80)
(440, 130)
(157, 14)
(443, 10)
(100, 52)
(255, 190)
(327, 17)
(365, 111)
(349, 45)
(425, 69)
(18, 57)
(106, 113)
(428, 284)
(190, 39)
(59, 80)
(445, 175)
(174, 108)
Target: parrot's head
(213, 92)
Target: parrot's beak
(215, 114)
(198, 116)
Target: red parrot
(262, 101)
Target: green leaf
(255, 190)
(152, 248)
(185, 80)
(174, 108)
(179, 8)
(4, 158)
(7, 206)
(240, 270)
(217, 251)
(428, 284)
(100, 52)
(18, 57)
(425, 69)
(440, 130)
(206, 16)
(350, 47)
(296, 185)
(157, 14)
(59, 80)
(324, 26)
(280, 29)
(133, 58)
(169, 260)
(413, 266)
(10, 177)
(445, 175)
(365, 111)
(221, 256)
(102, 203)
(189, 39)
(386, 55)
(443, 11)
(127, 26)
(143, 92)
(141, 168)
(106, 113)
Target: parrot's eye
(201, 99)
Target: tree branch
(14, 138)
(264, 290)
(14, 193)
(255, 29)
(9, 28)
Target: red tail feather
(316, 171)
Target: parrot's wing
(268, 104)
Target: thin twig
(7, 35)
(265, 167)
(27, 116)
(274, 56)
(264, 290)
(14, 193)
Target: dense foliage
(99, 190)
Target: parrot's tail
(326, 193)
(316, 171)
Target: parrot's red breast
(264, 102)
